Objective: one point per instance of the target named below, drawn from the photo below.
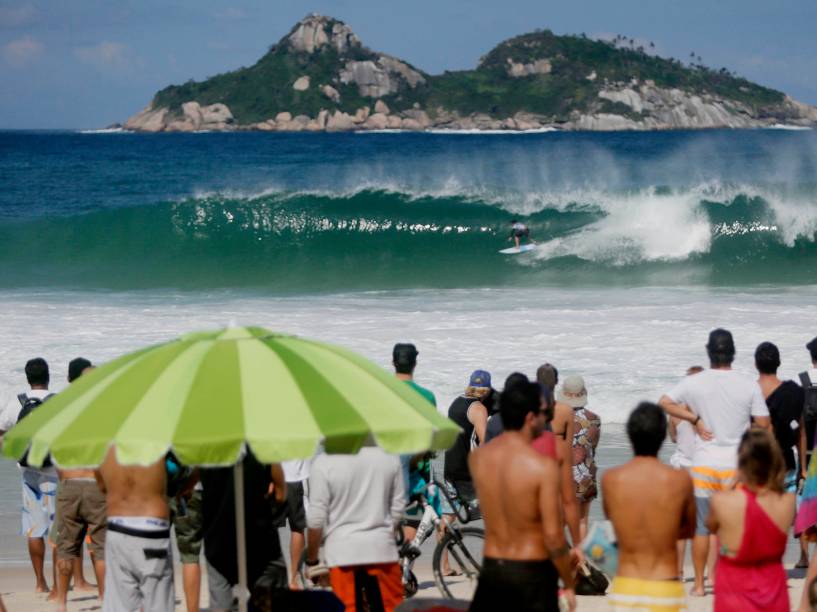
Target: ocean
(646, 241)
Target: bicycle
(464, 545)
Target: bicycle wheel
(465, 547)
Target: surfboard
(515, 251)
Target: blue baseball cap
(480, 379)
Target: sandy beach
(16, 583)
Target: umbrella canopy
(207, 395)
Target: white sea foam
(638, 228)
(447, 131)
(630, 343)
(106, 131)
(783, 126)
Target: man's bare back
(651, 506)
(134, 490)
(511, 479)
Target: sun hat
(573, 392)
(480, 379)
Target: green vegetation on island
(528, 81)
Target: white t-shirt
(11, 412)
(725, 400)
(357, 500)
(296, 470)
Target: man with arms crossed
(647, 531)
(138, 561)
(518, 489)
(720, 403)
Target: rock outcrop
(310, 34)
(375, 79)
(324, 70)
(331, 93)
(301, 84)
(656, 108)
(517, 70)
(148, 120)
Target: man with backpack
(39, 485)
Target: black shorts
(521, 586)
(293, 509)
(520, 233)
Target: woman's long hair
(760, 460)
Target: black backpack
(810, 405)
(29, 404)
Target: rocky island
(320, 77)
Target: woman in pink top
(751, 523)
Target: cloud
(16, 16)
(21, 51)
(103, 55)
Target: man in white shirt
(356, 501)
(39, 485)
(721, 404)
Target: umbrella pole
(241, 591)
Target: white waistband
(142, 523)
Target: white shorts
(39, 502)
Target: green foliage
(574, 58)
(265, 89)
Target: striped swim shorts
(706, 481)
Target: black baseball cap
(720, 342)
(404, 354)
(77, 367)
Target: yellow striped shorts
(637, 595)
(709, 480)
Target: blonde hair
(479, 393)
(760, 460)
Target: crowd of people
(525, 457)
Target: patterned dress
(586, 434)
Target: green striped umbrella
(207, 395)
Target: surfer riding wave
(518, 231)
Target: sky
(90, 63)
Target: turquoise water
(286, 214)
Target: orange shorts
(347, 582)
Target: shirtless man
(139, 564)
(518, 489)
(651, 506)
